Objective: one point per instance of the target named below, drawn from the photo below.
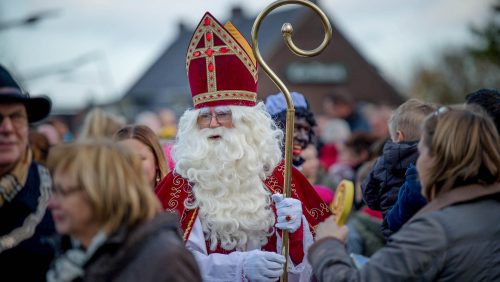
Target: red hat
(220, 66)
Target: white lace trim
(27, 230)
(302, 271)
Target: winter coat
(381, 187)
(25, 225)
(409, 202)
(453, 238)
(154, 251)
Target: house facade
(340, 67)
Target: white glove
(289, 212)
(263, 266)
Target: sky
(94, 50)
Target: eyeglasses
(204, 119)
(17, 119)
(63, 193)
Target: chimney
(181, 27)
(237, 13)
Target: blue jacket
(409, 202)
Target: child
(380, 188)
(410, 200)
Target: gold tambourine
(342, 203)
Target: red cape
(173, 190)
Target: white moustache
(212, 132)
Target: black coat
(33, 254)
(381, 187)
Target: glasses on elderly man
(16, 118)
(224, 117)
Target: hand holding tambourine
(342, 203)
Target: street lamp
(29, 20)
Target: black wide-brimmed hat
(37, 108)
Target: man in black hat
(25, 187)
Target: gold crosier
(287, 30)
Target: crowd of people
(202, 199)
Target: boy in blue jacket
(410, 200)
(381, 187)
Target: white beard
(227, 176)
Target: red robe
(173, 190)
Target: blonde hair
(100, 124)
(463, 146)
(408, 118)
(112, 179)
(146, 136)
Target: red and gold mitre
(220, 65)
